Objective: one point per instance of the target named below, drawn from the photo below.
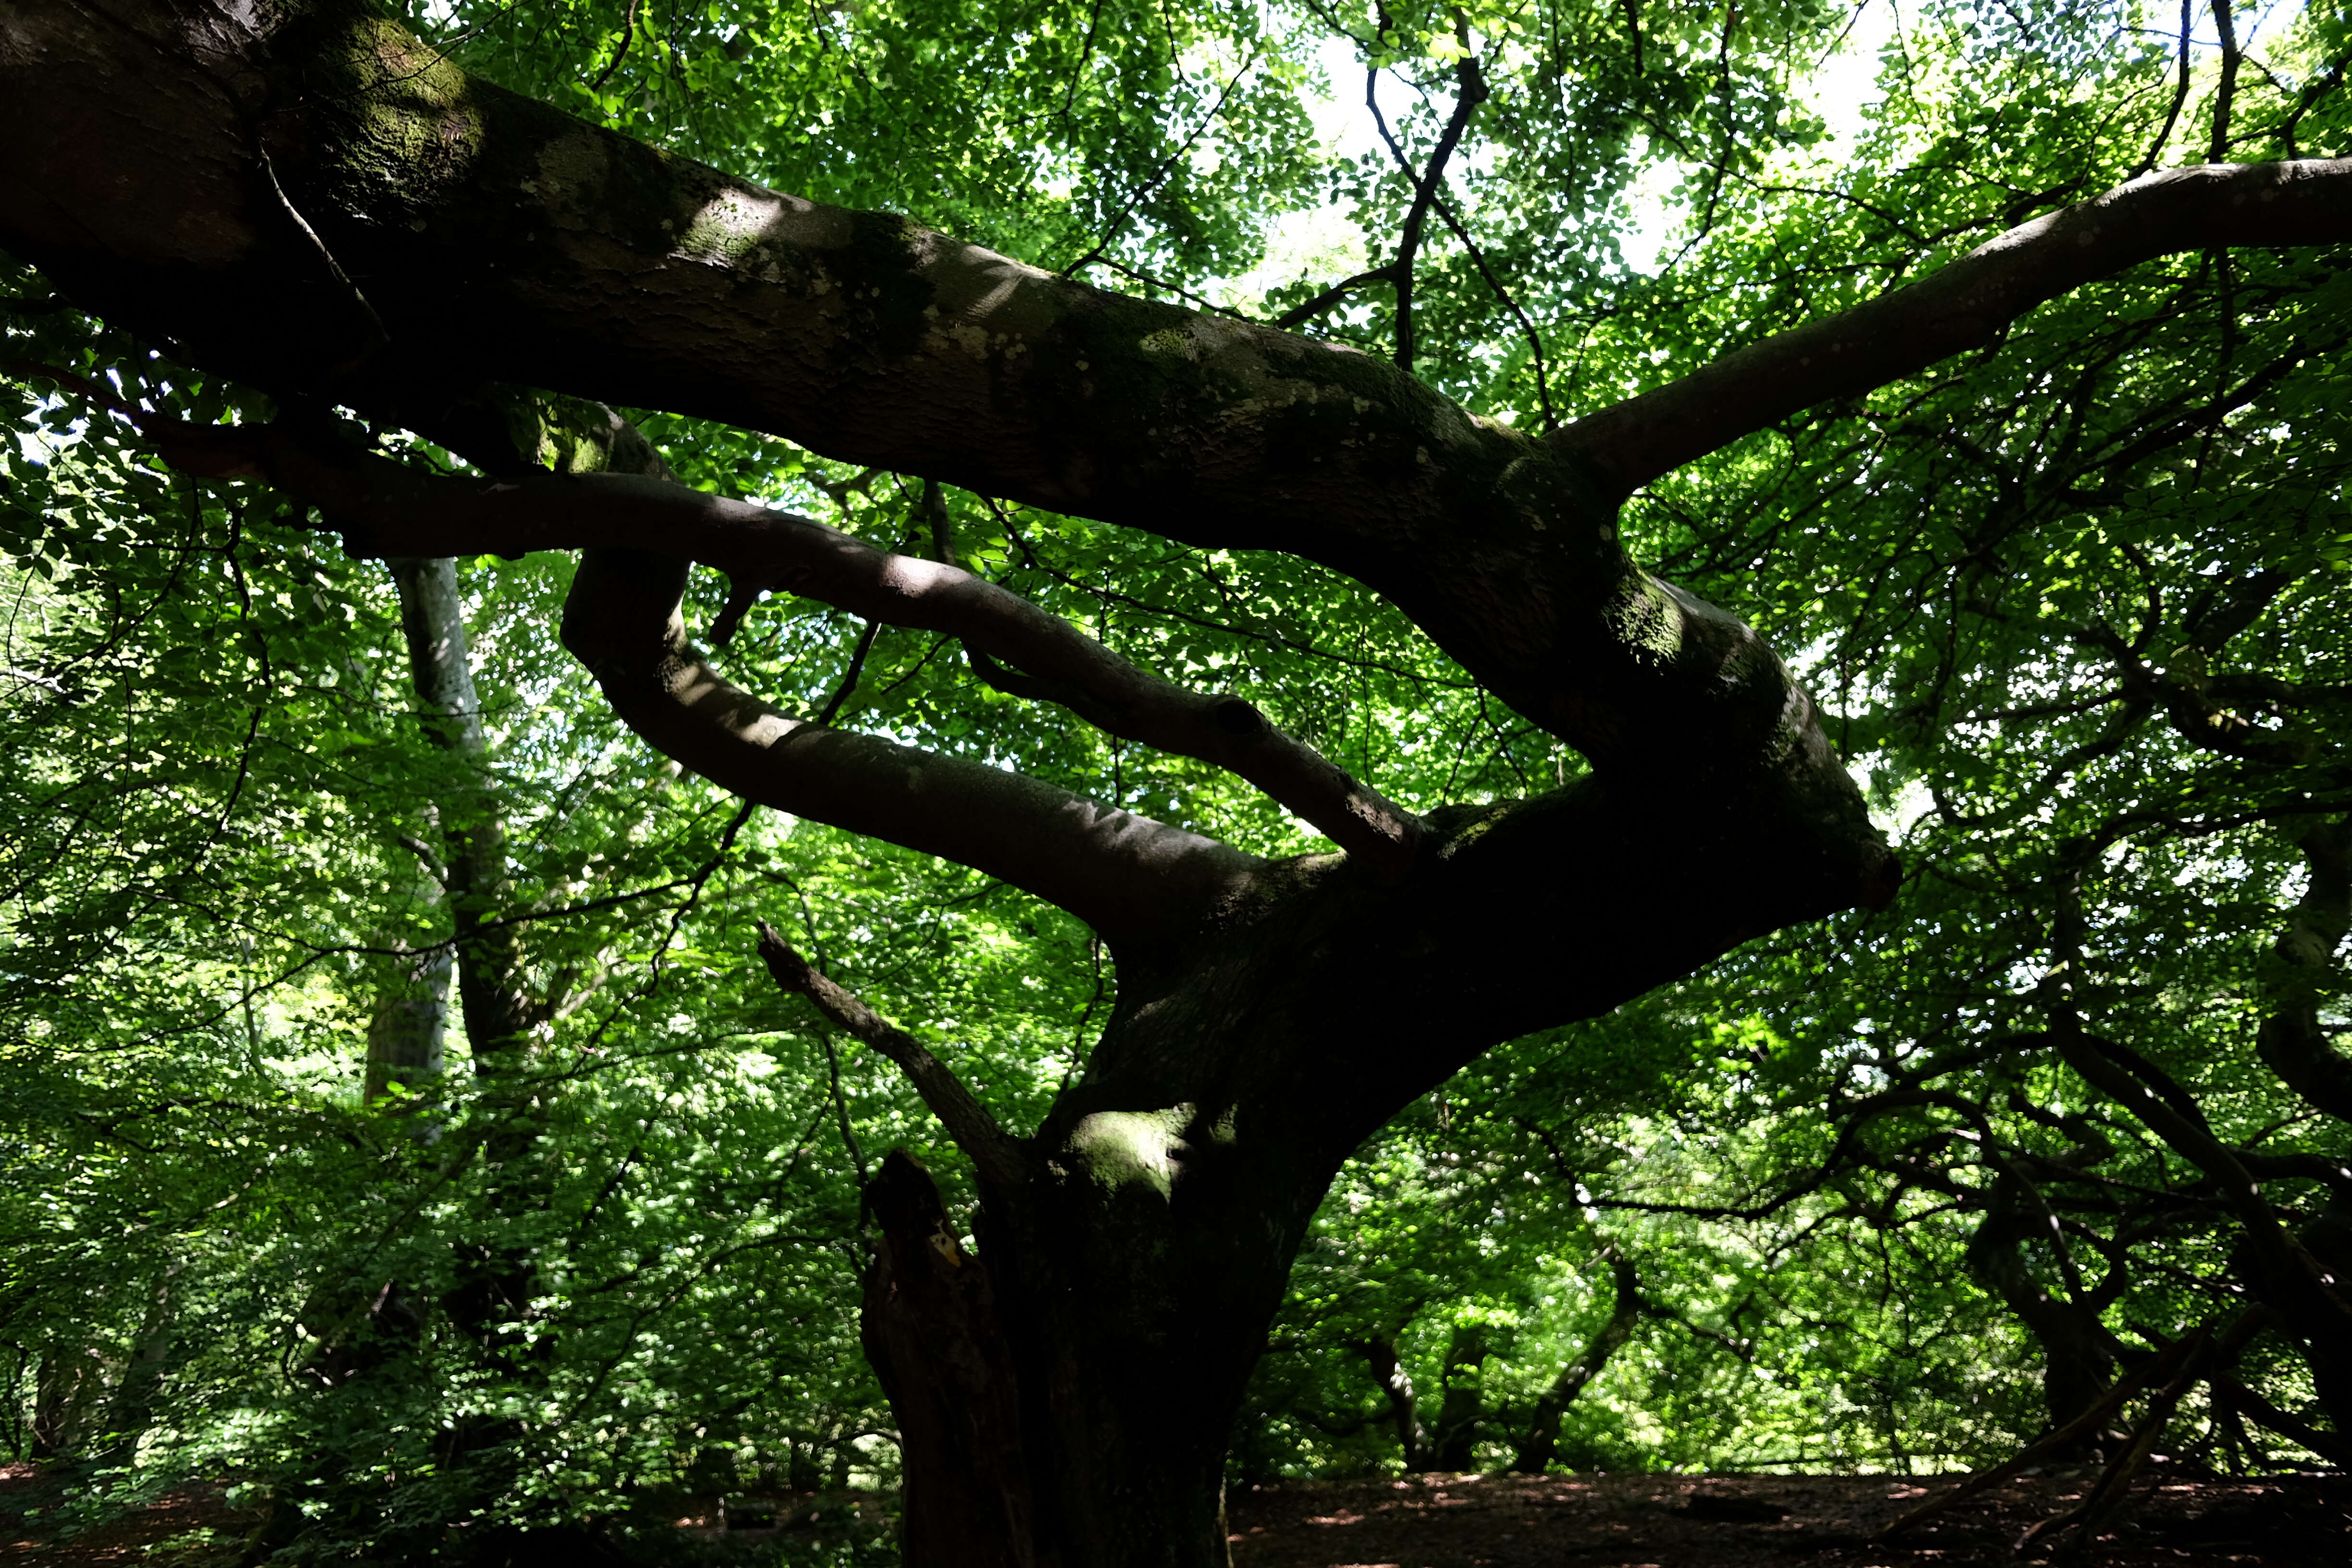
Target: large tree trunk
(1053, 1410)
(1135, 1261)
(936, 1339)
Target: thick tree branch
(1963, 305)
(968, 1121)
(1123, 873)
(501, 240)
(2329, 1446)
(2164, 1364)
(383, 507)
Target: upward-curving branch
(1964, 306)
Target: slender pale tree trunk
(495, 1280)
(497, 1007)
(375, 1320)
(406, 1031)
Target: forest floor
(2172, 1520)
(1787, 1522)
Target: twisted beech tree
(306, 197)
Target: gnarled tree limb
(498, 239)
(1123, 873)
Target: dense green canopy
(1901, 1189)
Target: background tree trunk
(1541, 1445)
(2078, 1364)
(1404, 1407)
(1458, 1416)
(133, 1410)
(69, 1391)
(411, 1021)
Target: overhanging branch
(1124, 874)
(559, 255)
(385, 509)
(1963, 305)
